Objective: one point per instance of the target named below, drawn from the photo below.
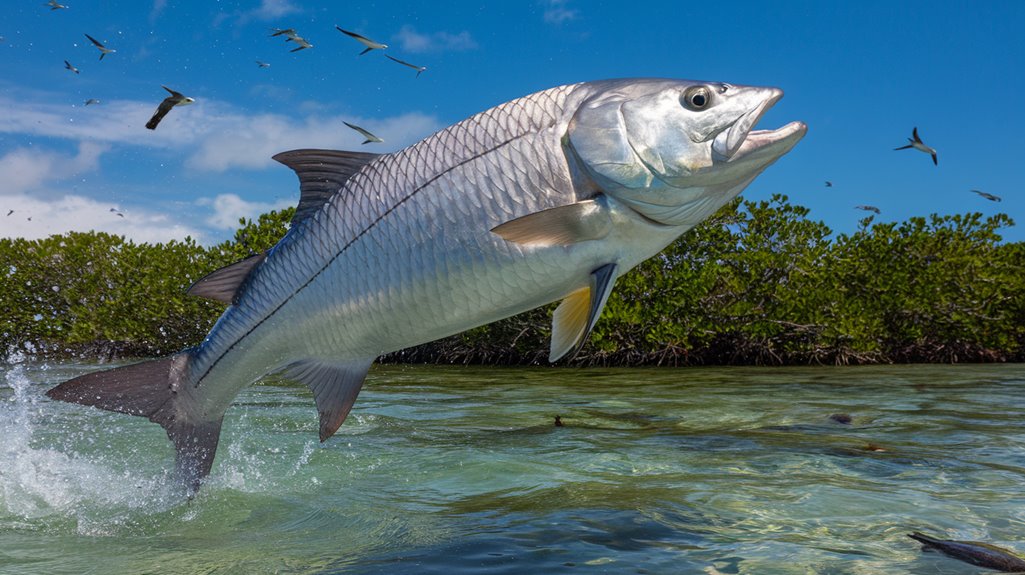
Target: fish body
(548, 197)
(974, 552)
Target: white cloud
(229, 208)
(218, 135)
(35, 218)
(25, 169)
(557, 12)
(412, 41)
(236, 142)
(156, 10)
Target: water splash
(45, 485)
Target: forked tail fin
(157, 390)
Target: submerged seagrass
(548, 197)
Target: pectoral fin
(561, 226)
(575, 317)
(334, 386)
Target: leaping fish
(370, 44)
(551, 196)
(103, 49)
(369, 137)
(175, 99)
(919, 145)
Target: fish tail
(158, 390)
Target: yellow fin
(569, 322)
(575, 317)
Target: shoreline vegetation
(756, 284)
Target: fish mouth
(739, 141)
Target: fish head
(676, 150)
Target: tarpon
(548, 197)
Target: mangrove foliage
(758, 283)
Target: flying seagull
(54, 5)
(413, 66)
(370, 44)
(829, 184)
(989, 197)
(262, 64)
(91, 101)
(175, 99)
(103, 49)
(869, 209)
(10, 212)
(917, 144)
(303, 44)
(68, 66)
(115, 211)
(290, 32)
(369, 137)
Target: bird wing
(358, 129)
(95, 41)
(914, 133)
(174, 94)
(162, 110)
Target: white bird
(369, 137)
(917, 144)
(303, 44)
(404, 63)
(68, 66)
(290, 32)
(989, 197)
(175, 99)
(370, 44)
(103, 49)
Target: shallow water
(460, 470)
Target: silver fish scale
(409, 233)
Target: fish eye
(697, 98)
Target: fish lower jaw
(761, 144)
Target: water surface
(461, 470)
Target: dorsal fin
(321, 174)
(223, 285)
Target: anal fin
(575, 317)
(334, 386)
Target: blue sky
(860, 74)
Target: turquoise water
(461, 470)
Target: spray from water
(53, 474)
